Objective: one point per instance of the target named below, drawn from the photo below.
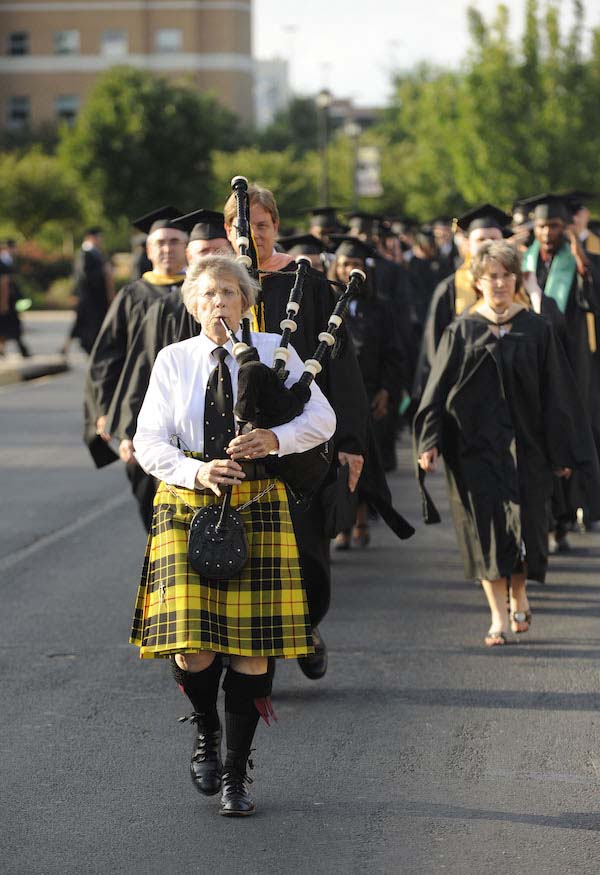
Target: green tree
(37, 191)
(519, 117)
(295, 127)
(294, 181)
(141, 141)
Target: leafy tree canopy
(142, 141)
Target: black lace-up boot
(202, 688)
(247, 698)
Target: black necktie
(219, 425)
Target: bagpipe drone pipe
(264, 401)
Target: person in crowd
(577, 202)
(556, 266)
(372, 328)
(168, 322)
(140, 263)
(310, 246)
(455, 293)
(93, 288)
(262, 611)
(10, 295)
(502, 407)
(207, 234)
(448, 256)
(340, 381)
(166, 245)
(322, 223)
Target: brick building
(52, 52)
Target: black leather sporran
(217, 542)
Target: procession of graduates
(474, 340)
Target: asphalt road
(419, 752)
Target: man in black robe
(557, 263)
(164, 322)
(93, 287)
(448, 256)
(166, 250)
(310, 246)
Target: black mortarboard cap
(364, 223)
(92, 231)
(203, 225)
(483, 216)
(351, 247)
(324, 217)
(302, 244)
(548, 206)
(163, 217)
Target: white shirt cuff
(187, 473)
(286, 435)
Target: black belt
(254, 470)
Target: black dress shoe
(206, 767)
(315, 666)
(235, 799)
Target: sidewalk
(15, 369)
(44, 333)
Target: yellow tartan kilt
(261, 612)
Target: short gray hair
(219, 266)
(497, 250)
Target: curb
(32, 369)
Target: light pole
(353, 132)
(324, 100)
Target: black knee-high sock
(242, 714)
(202, 689)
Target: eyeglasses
(496, 278)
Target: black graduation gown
(108, 357)
(584, 299)
(441, 312)
(503, 412)
(91, 291)
(393, 283)
(382, 360)
(10, 323)
(426, 277)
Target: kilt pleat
(261, 612)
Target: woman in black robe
(502, 407)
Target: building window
(18, 43)
(67, 107)
(168, 39)
(19, 111)
(66, 42)
(114, 43)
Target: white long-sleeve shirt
(174, 405)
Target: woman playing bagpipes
(187, 437)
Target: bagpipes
(263, 401)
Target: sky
(353, 49)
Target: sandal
(342, 541)
(360, 535)
(494, 638)
(520, 618)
